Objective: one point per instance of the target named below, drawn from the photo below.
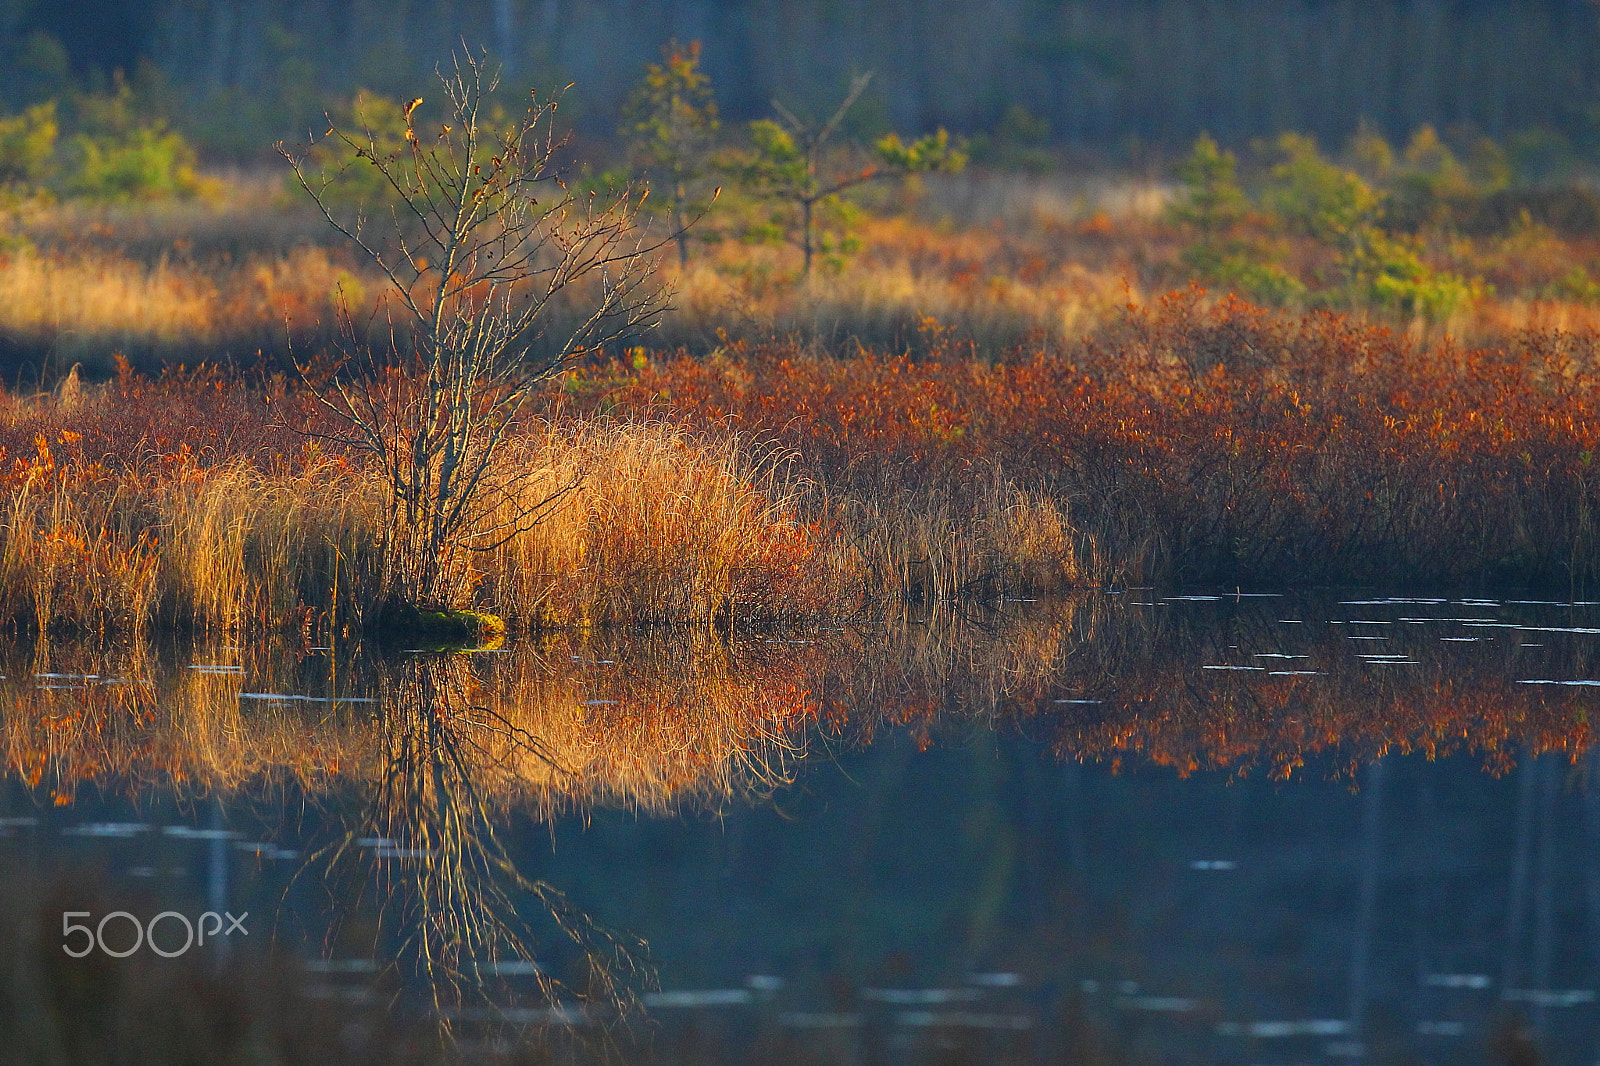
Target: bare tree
(483, 249)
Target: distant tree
(347, 178)
(28, 145)
(1214, 204)
(1019, 141)
(670, 123)
(123, 151)
(789, 163)
(1316, 197)
(1371, 153)
(1212, 199)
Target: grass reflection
(661, 720)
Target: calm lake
(1121, 827)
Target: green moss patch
(423, 627)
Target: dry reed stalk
(664, 526)
(225, 547)
(246, 548)
(70, 558)
(944, 539)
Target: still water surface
(1125, 827)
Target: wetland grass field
(949, 416)
(792, 525)
(1378, 367)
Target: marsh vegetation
(869, 395)
(734, 443)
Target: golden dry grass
(666, 525)
(992, 290)
(90, 302)
(651, 522)
(82, 304)
(982, 259)
(223, 547)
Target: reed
(663, 525)
(201, 526)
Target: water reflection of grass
(643, 720)
(659, 719)
(428, 843)
(1114, 682)
(424, 763)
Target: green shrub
(791, 167)
(28, 145)
(1370, 154)
(123, 150)
(1389, 272)
(1312, 196)
(148, 163)
(1542, 156)
(1019, 141)
(1571, 211)
(1430, 187)
(1576, 285)
(1246, 271)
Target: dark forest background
(1107, 75)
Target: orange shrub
(1201, 442)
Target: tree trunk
(805, 235)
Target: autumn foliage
(1200, 441)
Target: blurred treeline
(1115, 76)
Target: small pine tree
(670, 123)
(1316, 197)
(789, 163)
(1212, 200)
(28, 145)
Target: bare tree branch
(478, 213)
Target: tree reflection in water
(452, 903)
